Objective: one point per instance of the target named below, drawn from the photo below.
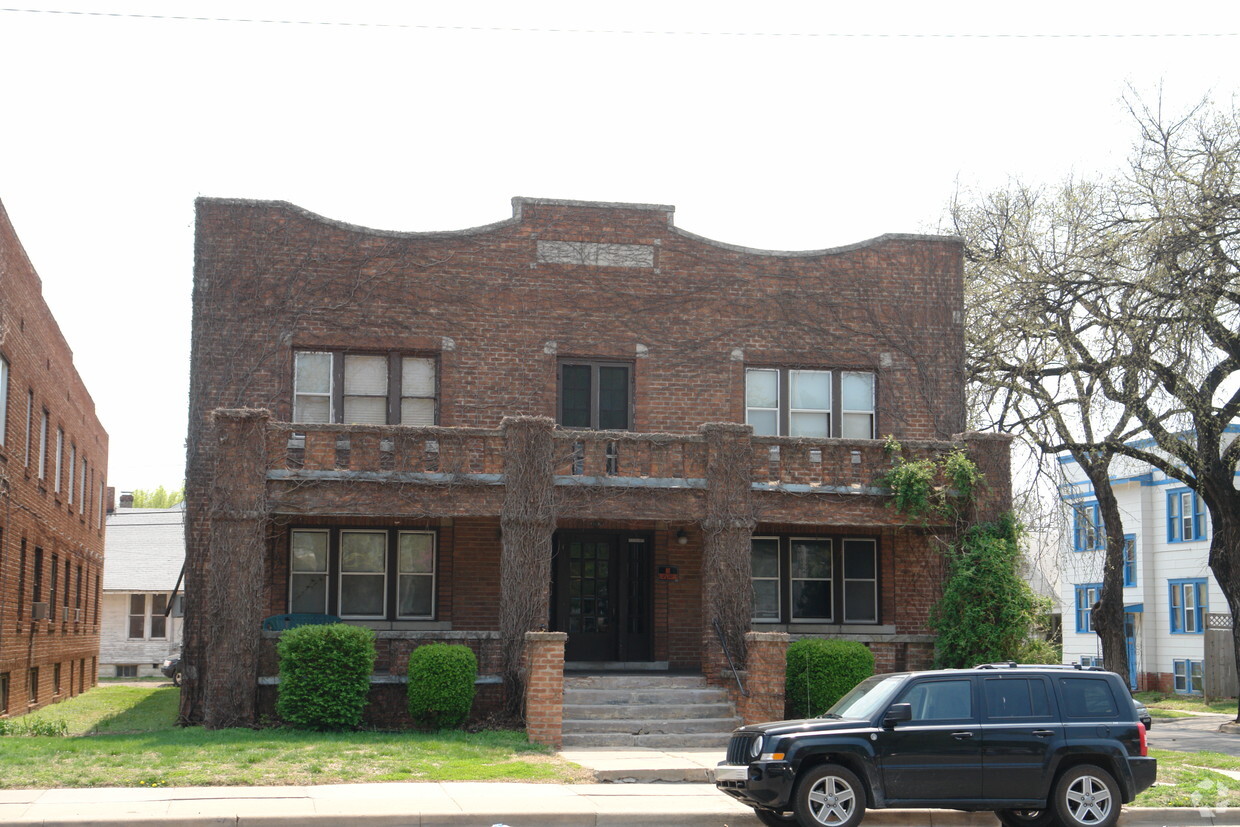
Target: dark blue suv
(1039, 745)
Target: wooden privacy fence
(1219, 661)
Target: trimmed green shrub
(441, 684)
(822, 671)
(325, 675)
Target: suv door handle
(961, 736)
(1043, 733)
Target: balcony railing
(614, 458)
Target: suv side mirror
(898, 714)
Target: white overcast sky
(771, 124)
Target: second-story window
(596, 395)
(4, 397)
(810, 403)
(363, 388)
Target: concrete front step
(644, 681)
(650, 695)
(684, 740)
(659, 726)
(600, 712)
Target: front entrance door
(602, 596)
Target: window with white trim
(364, 388)
(805, 402)
(4, 412)
(29, 424)
(60, 451)
(1188, 677)
(43, 425)
(814, 579)
(72, 483)
(363, 573)
(1186, 519)
(137, 616)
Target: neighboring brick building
(53, 463)
(363, 403)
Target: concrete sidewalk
(457, 805)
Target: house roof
(144, 549)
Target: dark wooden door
(602, 596)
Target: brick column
(727, 591)
(767, 661)
(233, 610)
(544, 687)
(992, 453)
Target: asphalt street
(1194, 734)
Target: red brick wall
(33, 511)
(270, 277)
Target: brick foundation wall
(42, 516)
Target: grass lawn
(1187, 703)
(126, 736)
(1186, 779)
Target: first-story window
(1188, 606)
(1086, 597)
(363, 574)
(137, 615)
(1188, 676)
(814, 579)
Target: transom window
(363, 388)
(1186, 519)
(1189, 600)
(814, 580)
(363, 574)
(596, 395)
(810, 403)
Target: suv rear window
(1088, 698)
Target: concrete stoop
(652, 711)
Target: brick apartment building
(581, 419)
(53, 463)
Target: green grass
(126, 736)
(1186, 779)
(1187, 703)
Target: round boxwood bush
(820, 672)
(325, 675)
(441, 684)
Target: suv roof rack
(1011, 664)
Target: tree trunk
(1223, 502)
(1108, 614)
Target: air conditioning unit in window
(65, 614)
(38, 611)
(77, 615)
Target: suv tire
(1086, 796)
(1025, 818)
(774, 819)
(829, 796)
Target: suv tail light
(1144, 747)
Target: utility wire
(670, 33)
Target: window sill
(810, 628)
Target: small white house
(1169, 590)
(144, 553)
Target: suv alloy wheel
(830, 796)
(1087, 796)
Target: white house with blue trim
(1169, 589)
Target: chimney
(111, 501)
(126, 499)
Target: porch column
(992, 453)
(544, 687)
(527, 521)
(233, 610)
(727, 591)
(767, 665)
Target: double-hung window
(1086, 596)
(364, 388)
(1130, 560)
(814, 579)
(4, 400)
(1189, 604)
(1087, 529)
(43, 424)
(1186, 519)
(60, 452)
(363, 574)
(810, 403)
(596, 395)
(1188, 678)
